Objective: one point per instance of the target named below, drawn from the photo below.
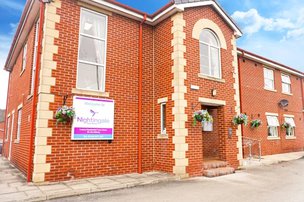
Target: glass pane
(215, 63)
(286, 88)
(269, 84)
(286, 79)
(209, 38)
(92, 50)
(204, 59)
(93, 24)
(164, 117)
(90, 77)
(268, 74)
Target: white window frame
(163, 119)
(272, 80)
(8, 126)
(19, 124)
(290, 133)
(34, 66)
(209, 53)
(92, 37)
(275, 128)
(285, 83)
(24, 57)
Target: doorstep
(13, 186)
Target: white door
(11, 138)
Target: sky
(273, 29)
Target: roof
(269, 63)
(32, 7)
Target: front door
(211, 140)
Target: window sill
(16, 141)
(290, 137)
(89, 92)
(211, 78)
(22, 72)
(290, 94)
(162, 136)
(273, 138)
(272, 90)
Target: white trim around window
(163, 118)
(93, 30)
(19, 124)
(268, 79)
(272, 126)
(286, 84)
(210, 54)
(24, 55)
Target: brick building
(272, 93)
(156, 70)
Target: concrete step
(214, 172)
(214, 164)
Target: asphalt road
(282, 182)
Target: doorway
(211, 139)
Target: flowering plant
(202, 116)
(64, 114)
(286, 125)
(255, 123)
(240, 119)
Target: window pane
(92, 50)
(163, 121)
(269, 84)
(209, 38)
(90, 77)
(268, 74)
(93, 24)
(215, 63)
(272, 132)
(204, 59)
(286, 88)
(286, 79)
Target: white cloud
(5, 41)
(12, 5)
(252, 22)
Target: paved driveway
(282, 182)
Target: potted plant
(255, 123)
(64, 114)
(205, 118)
(240, 119)
(287, 126)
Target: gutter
(140, 69)
(35, 94)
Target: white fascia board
(238, 32)
(121, 10)
(165, 13)
(270, 64)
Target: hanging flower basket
(64, 114)
(205, 118)
(255, 123)
(240, 119)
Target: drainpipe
(240, 94)
(35, 93)
(140, 66)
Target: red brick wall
(256, 101)
(18, 93)
(225, 91)
(97, 158)
(163, 88)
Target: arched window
(210, 64)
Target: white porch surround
(45, 97)
(178, 96)
(236, 87)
